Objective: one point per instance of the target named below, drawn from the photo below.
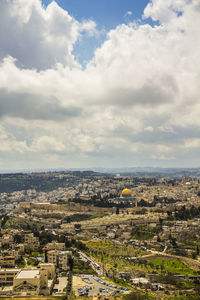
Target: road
(96, 267)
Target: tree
(70, 263)
(194, 255)
(4, 220)
(77, 226)
(117, 211)
(20, 262)
(68, 243)
(169, 213)
(18, 239)
(173, 242)
(161, 222)
(45, 238)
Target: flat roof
(10, 270)
(27, 274)
(46, 264)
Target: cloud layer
(135, 103)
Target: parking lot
(89, 285)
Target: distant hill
(131, 170)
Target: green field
(116, 258)
(183, 297)
(98, 215)
(136, 295)
(113, 255)
(171, 266)
(143, 233)
(33, 298)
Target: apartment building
(51, 272)
(7, 261)
(55, 246)
(52, 257)
(58, 258)
(63, 260)
(31, 241)
(7, 276)
(6, 239)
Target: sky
(106, 14)
(89, 83)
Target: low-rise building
(27, 282)
(7, 276)
(55, 246)
(19, 248)
(7, 261)
(6, 239)
(31, 241)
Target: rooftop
(27, 274)
(51, 251)
(9, 270)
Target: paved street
(96, 267)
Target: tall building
(59, 258)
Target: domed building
(126, 193)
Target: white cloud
(137, 98)
(165, 11)
(8, 143)
(47, 144)
(148, 128)
(192, 143)
(38, 37)
(128, 13)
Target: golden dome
(126, 192)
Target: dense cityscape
(72, 234)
